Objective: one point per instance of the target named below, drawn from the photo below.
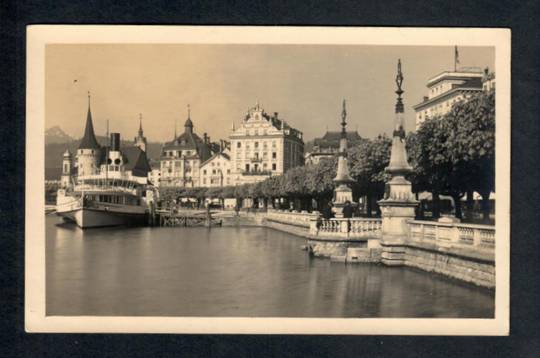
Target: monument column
(398, 206)
(342, 192)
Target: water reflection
(233, 272)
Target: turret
(67, 165)
(188, 126)
(140, 140)
(89, 151)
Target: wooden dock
(187, 218)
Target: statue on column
(342, 192)
(398, 205)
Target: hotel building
(262, 146)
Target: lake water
(233, 271)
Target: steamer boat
(105, 185)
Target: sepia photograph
(271, 180)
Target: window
(228, 171)
(274, 155)
(274, 166)
(213, 171)
(204, 171)
(256, 144)
(247, 167)
(238, 145)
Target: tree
(319, 180)
(471, 145)
(454, 154)
(367, 162)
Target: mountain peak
(56, 135)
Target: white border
(40, 35)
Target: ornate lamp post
(398, 206)
(342, 192)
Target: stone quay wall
(461, 251)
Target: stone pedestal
(397, 209)
(341, 194)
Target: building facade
(263, 146)
(327, 146)
(182, 157)
(446, 89)
(216, 171)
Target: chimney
(115, 142)
(275, 115)
(221, 147)
(426, 98)
(205, 138)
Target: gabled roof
(331, 139)
(224, 155)
(190, 141)
(135, 160)
(89, 139)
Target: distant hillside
(56, 135)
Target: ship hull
(90, 218)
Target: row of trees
(453, 155)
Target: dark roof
(89, 139)
(135, 160)
(190, 141)
(331, 139)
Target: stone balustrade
(355, 228)
(302, 219)
(452, 234)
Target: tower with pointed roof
(89, 151)
(140, 139)
(67, 166)
(398, 205)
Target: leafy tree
(454, 154)
(367, 162)
(319, 180)
(471, 145)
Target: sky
(305, 84)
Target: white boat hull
(90, 218)
(91, 214)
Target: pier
(187, 218)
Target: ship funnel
(115, 142)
